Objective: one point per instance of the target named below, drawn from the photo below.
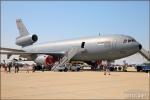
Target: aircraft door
(114, 43)
(82, 44)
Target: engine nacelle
(44, 60)
(26, 40)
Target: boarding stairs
(145, 54)
(68, 55)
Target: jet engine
(44, 60)
(26, 40)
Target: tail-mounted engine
(26, 40)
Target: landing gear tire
(125, 70)
(119, 68)
(78, 69)
(60, 70)
(66, 69)
(138, 68)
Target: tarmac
(75, 85)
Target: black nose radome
(140, 46)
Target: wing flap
(32, 53)
(10, 49)
(28, 55)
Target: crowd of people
(16, 67)
(7, 67)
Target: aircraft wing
(10, 49)
(22, 53)
(27, 53)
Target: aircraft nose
(140, 46)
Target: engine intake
(26, 40)
(44, 60)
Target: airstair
(145, 54)
(68, 55)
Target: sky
(60, 20)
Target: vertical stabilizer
(22, 29)
(24, 39)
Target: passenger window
(125, 41)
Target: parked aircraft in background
(89, 50)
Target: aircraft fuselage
(96, 48)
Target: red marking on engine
(49, 60)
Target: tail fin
(22, 29)
(25, 39)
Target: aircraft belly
(92, 56)
(109, 55)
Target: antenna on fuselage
(99, 33)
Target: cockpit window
(125, 41)
(129, 40)
(133, 40)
